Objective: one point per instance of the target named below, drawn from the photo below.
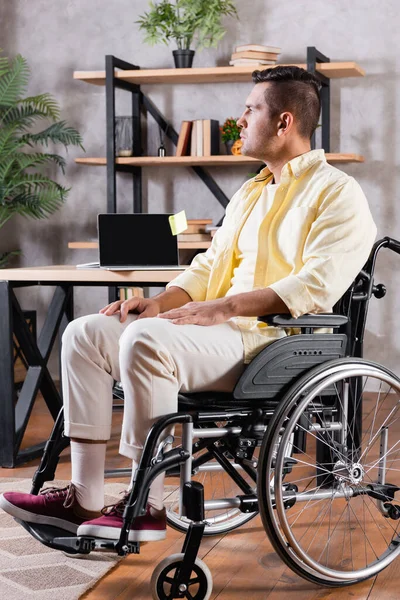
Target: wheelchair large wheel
(218, 486)
(331, 511)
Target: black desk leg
(68, 316)
(15, 415)
(7, 390)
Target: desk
(14, 415)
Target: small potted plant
(186, 22)
(231, 136)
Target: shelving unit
(129, 77)
(123, 75)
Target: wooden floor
(243, 563)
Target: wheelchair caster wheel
(200, 583)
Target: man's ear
(285, 123)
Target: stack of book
(197, 231)
(198, 138)
(131, 292)
(254, 54)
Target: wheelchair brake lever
(160, 450)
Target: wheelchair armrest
(305, 321)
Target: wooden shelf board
(83, 245)
(181, 245)
(209, 161)
(211, 74)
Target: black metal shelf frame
(314, 57)
(139, 100)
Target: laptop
(133, 242)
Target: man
(293, 240)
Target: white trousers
(153, 358)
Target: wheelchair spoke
(330, 533)
(340, 531)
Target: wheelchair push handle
(393, 245)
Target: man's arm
(336, 249)
(256, 304)
(147, 307)
(213, 312)
(173, 297)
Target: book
(194, 237)
(193, 140)
(250, 61)
(126, 293)
(254, 55)
(195, 229)
(199, 221)
(258, 48)
(199, 137)
(182, 148)
(211, 136)
(197, 225)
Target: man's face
(259, 132)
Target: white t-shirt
(243, 275)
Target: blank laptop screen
(136, 239)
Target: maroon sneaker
(143, 529)
(52, 506)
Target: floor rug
(30, 570)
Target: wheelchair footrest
(60, 539)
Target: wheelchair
(309, 438)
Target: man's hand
(144, 307)
(210, 312)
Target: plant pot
(183, 58)
(228, 146)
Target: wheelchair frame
(267, 411)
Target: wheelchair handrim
(340, 372)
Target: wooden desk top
(69, 273)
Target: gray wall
(60, 37)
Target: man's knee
(85, 330)
(142, 334)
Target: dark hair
(292, 89)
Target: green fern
(25, 188)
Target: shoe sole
(112, 533)
(25, 515)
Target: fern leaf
(40, 204)
(14, 81)
(57, 133)
(26, 111)
(26, 161)
(5, 256)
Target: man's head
(282, 111)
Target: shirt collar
(297, 166)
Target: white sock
(88, 461)
(156, 492)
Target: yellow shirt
(247, 244)
(312, 243)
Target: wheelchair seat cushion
(203, 401)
